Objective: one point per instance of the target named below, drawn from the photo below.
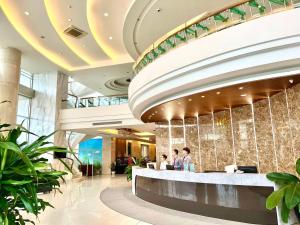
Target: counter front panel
(225, 201)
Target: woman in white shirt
(164, 162)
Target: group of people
(179, 163)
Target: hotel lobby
(141, 112)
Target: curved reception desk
(235, 197)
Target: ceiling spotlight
(202, 96)
(26, 13)
(43, 37)
(105, 14)
(190, 99)
(69, 19)
(241, 88)
(110, 38)
(243, 95)
(218, 93)
(70, 6)
(291, 81)
(158, 10)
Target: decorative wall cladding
(265, 134)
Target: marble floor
(80, 204)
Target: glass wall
(24, 105)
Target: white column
(10, 60)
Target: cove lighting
(96, 31)
(55, 21)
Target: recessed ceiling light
(69, 19)
(202, 96)
(106, 14)
(43, 37)
(291, 81)
(70, 6)
(26, 13)
(178, 103)
(110, 38)
(243, 95)
(190, 99)
(241, 88)
(218, 93)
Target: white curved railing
(209, 23)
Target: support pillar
(10, 60)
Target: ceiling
(102, 56)
(158, 17)
(219, 99)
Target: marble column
(107, 146)
(10, 60)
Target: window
(23, 115)
(26, 78)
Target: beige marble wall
(191, 139)
(223, 139)
(207, 143)
(283, 138)
(177, 135)
(162, 140)
(265, 134)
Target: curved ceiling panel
(144, 19)
(28, 18)
(64, 14)
(105, 19)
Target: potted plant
(23, 172)
(97, 168)
(113, 169)
(288, 194)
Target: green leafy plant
(23, 172)
(136, 162)
(288, 194)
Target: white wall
(258, 49)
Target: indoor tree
(24, 171)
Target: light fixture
(190, 99)
(243, 95)
(241, 88)
(69, 19)
(26, 13)
(218, 93)
(42, 36)
(106, 14)
(202, 96)
(110, 38)
(291, 81)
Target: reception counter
(235, 197)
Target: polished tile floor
(80, 204)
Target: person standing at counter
(187, 159)
(164, 162)
(177, 161)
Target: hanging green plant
(161, 49)
(261, 8)
(279, 2)
(154, 53)
(170, 43)
(220, 17)
(199, 25)
(178, 36)
(239, 12)
(191, 31)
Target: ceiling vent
(75, 32)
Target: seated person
(187, 159)
(164, 162)
(177, 161)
